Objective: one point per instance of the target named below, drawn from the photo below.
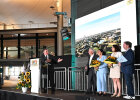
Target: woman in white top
(115, 71)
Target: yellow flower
(95, 63)
(23, 84)
(24, 80)
(110, 60)
(20, 82)
(27, 73)
(25, 77)
(113, 58)
(28, 80)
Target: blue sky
(99, 25)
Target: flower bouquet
(110, 60)
(24, 81)
(95, 63)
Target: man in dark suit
(127, 69)
(49, 60)
(91, 72)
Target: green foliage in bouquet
(111, 59)
(24, 80)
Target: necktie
(47, 56)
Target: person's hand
(48, 60)
(119, 64)
(59, 60)
(96, 68)
(86, 68)
(110, 65)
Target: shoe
(52, 90)
(129, 97)
(88, 92)
(114, 94)
(100, 93)
(94, 93)
(43, 90)
(119, 95)
(103, 94)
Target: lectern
(35, 75)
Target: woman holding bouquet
(101, 73)
(115, 71)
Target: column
(60, 45)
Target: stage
(13, 94)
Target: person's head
(90, 51)
(100, 52)
(45, 52)
(127, 45)
(115, 48)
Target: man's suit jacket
(51, 64)
(94, 58)
(128, 67)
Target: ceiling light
(52, 7)
(31, 22)
(20, 34)
(53, 23)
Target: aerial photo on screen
(100, 33)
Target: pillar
(60, 45)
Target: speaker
(84, 98)
(65, 33)
(137, 54)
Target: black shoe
(104, 94)
(88, 92)
(94, 93)
(53, 90)
(43, 90)
(99, 94)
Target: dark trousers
(51, 78)
(91, 80)
(0, 81)
(128, 80)
(44, 80)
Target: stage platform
(13, 94)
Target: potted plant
(24, 81)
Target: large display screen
(112, 25)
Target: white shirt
(90, 59)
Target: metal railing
(80, 81)
(60, 78)
(136, 83)
(75, 79)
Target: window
(10, 49)
(49, 43)
(28, 48)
